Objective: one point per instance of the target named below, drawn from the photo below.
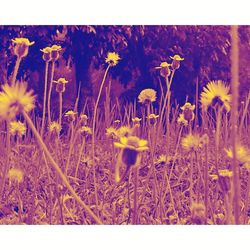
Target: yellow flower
(21, 48)
(177, 58)
(15, 174)
(176, 61)
(15, 99)
(17, 128)
(111, 132)
(85, 130)
(188, 113)
(225, 173)
(55, 49)
(216, 93)
(136, 120)
(117, 121)
(54, 127)
(147, 96)
(60, 84)
(47, 54)
(152, 116)
(133, 143)
(192, 142)
(164, 69)
(182, 120)
(123, 131)
(112, 58)
(71, 115)
(242, 154)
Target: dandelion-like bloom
(54, 127)
(111, 132)
(22, 45)
(60, 85)
(193, 142)
(176, 61)
(15, 99)
(242, 155)
(55, 49)
(188, 113)
(136, 120)
(16, 175)
(131, 146)
(112, 58)
(152, 118)
(147, 96)
(216, 93)
(164, 69)
(47, 54)
(85, 131)
(123, 131)
(71, 115)
(17, 128)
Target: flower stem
(60, 108)
(45, 96)
(93, 132)
(50, 90)
(57, 168)
(17, 65)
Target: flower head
(85, 131)
(60, 85)
(55, 127)
(83, 119)
(132, 142)
(15, 175)
(193, 142)
(176, 61)
(242, 155)
(136, 120)
(15, 99)
(152, 118)
(55, 49)
(123, 131)
(111, 132)
(71, 115)
(216, 93)
(21, 48)
(147, 96)
(112, 58)
(17, 128)
(164, 69)
(187, 110)
(47, 54)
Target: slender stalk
(206, 183)
(80, 156)
(71, 145)
(50, 90)
(45, 96)
(235, 83)
(57, 168)
(7, 161)
(16, 68)
(60, 107)
(93, 131)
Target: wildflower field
(149, 158)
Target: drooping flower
(15, 99)
(164, 69)
(136, 120)
(16, 175)
(85, 131)
(176, 61)
(17, 128)
(60, 84)
(187, 111)
(22, 45)
(83, 119)
(147, 96)
(71, 115)
(216, 93)
(55, 52)
(112, 58)
(47, 54)
(152, 118)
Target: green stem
(17, 65)
(57, 168)
(60, 107)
